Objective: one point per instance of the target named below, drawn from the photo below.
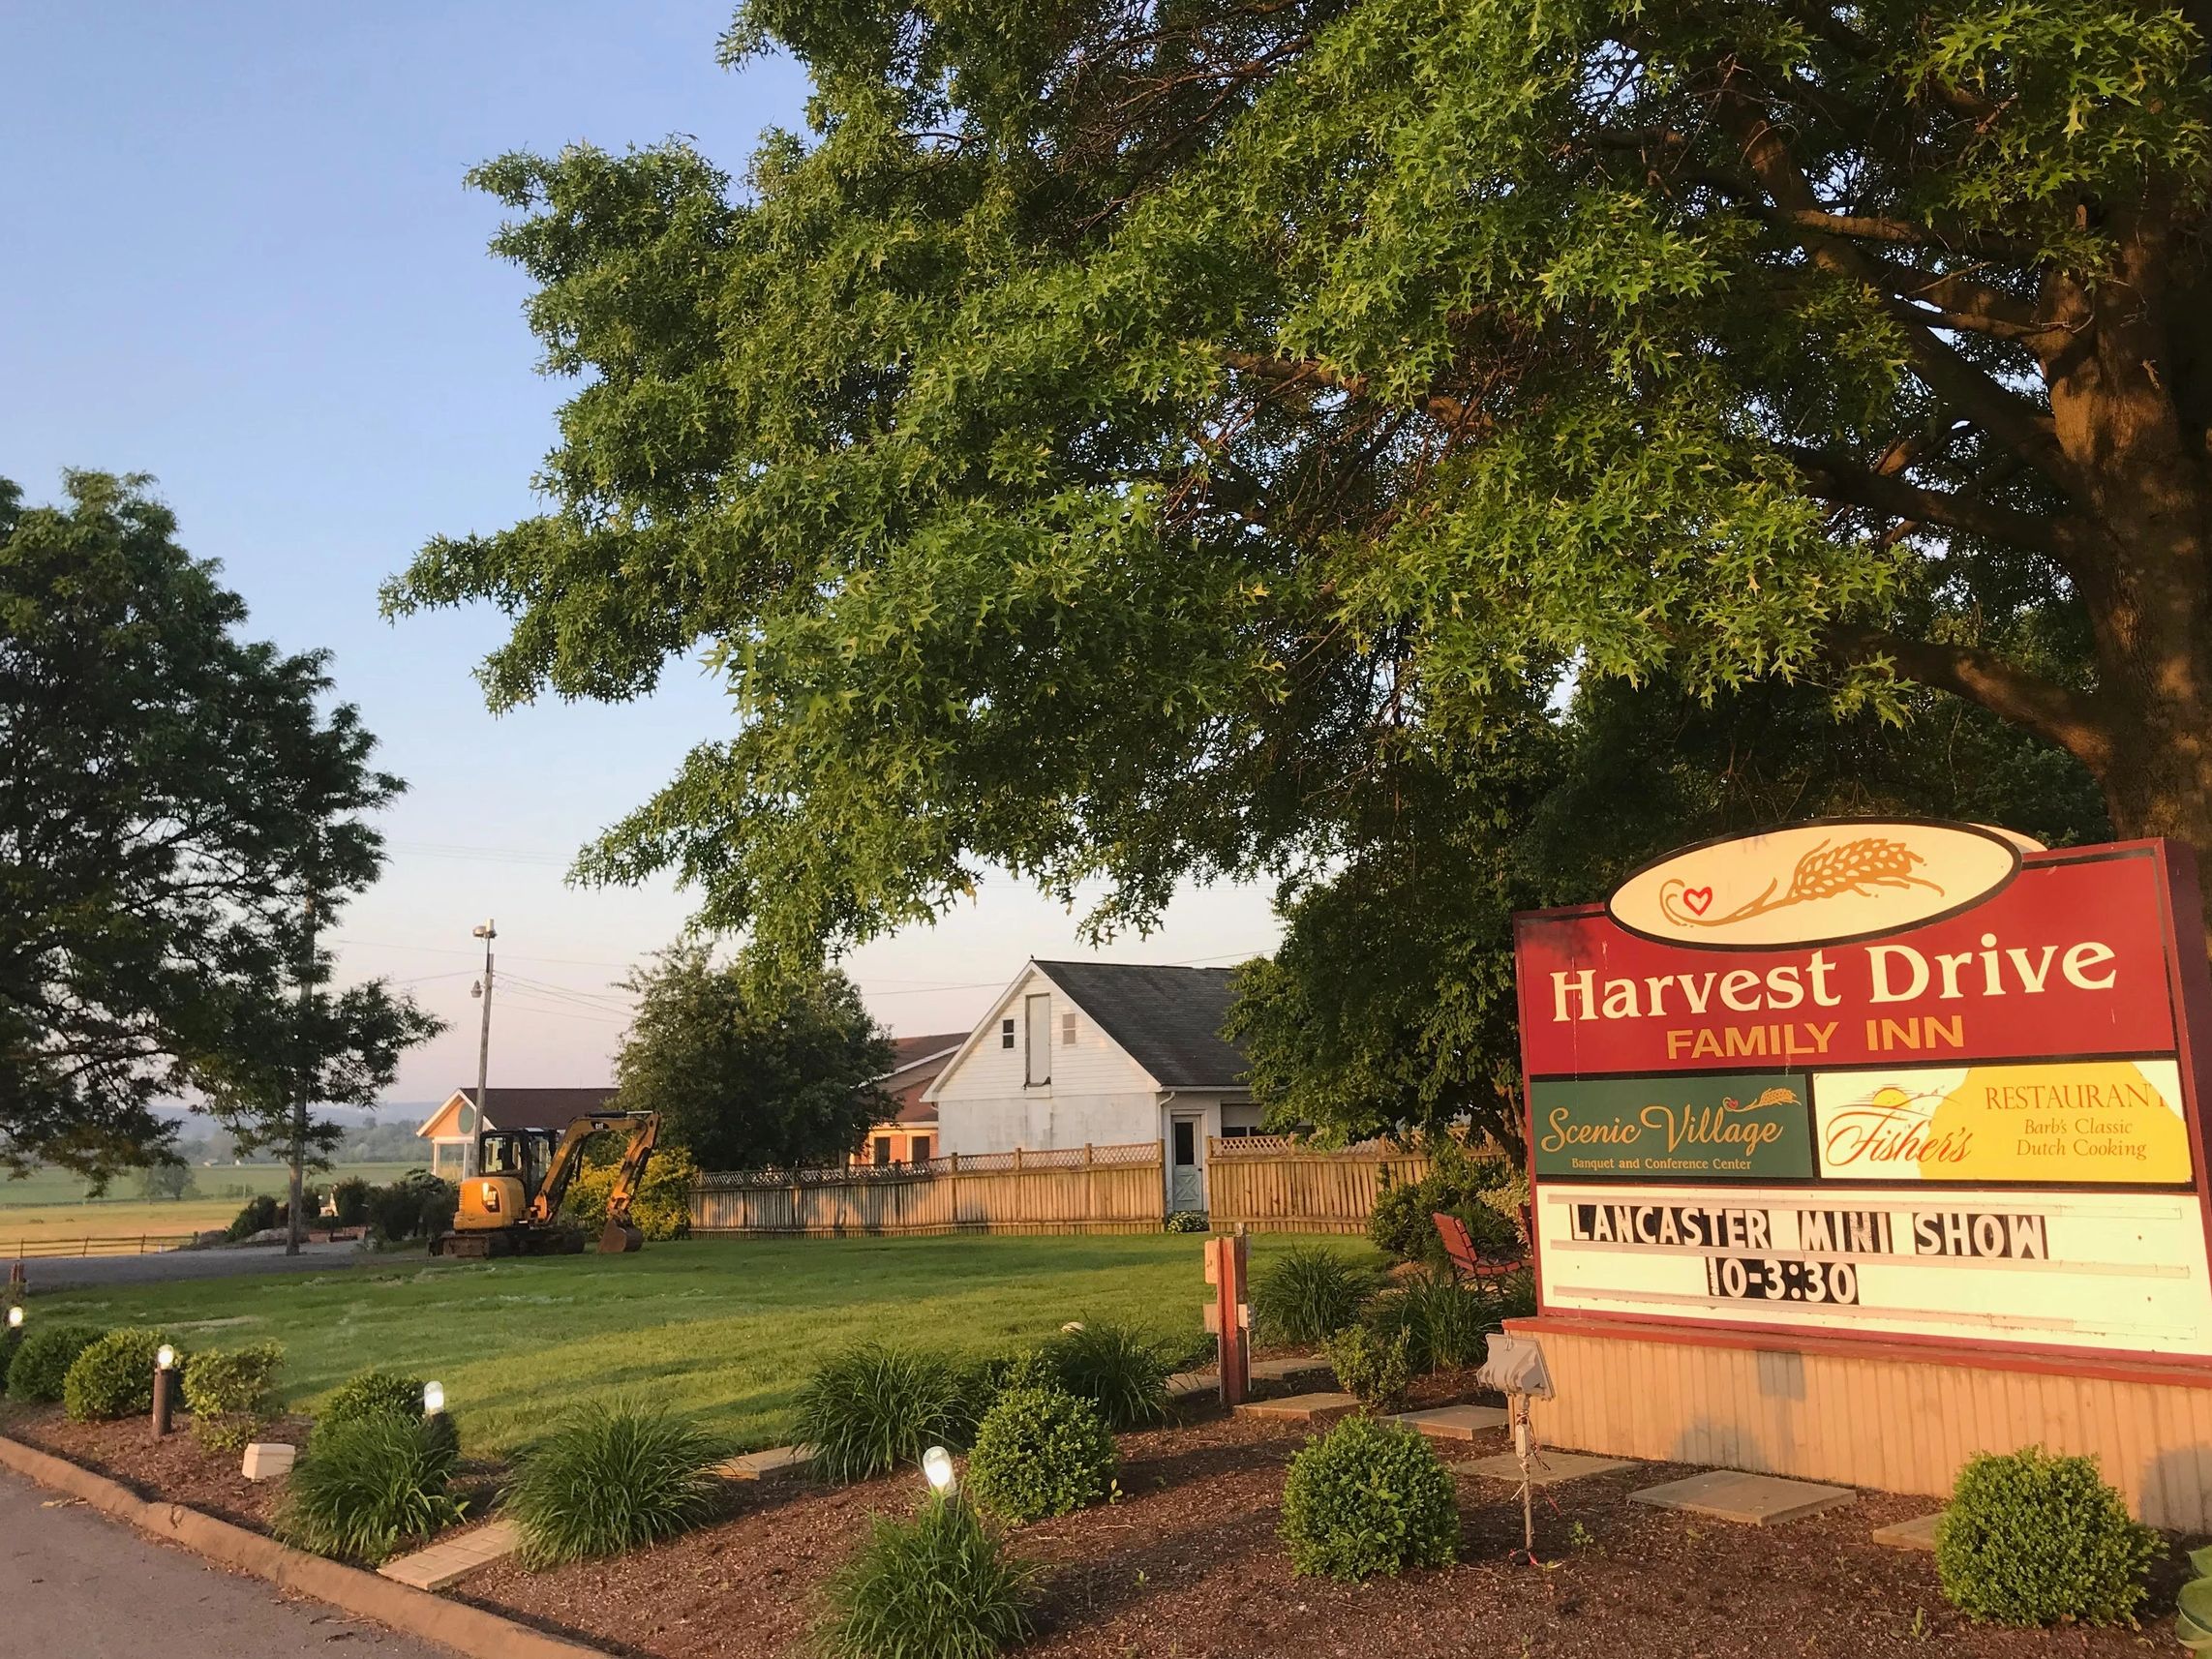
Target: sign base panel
(1894, 1419)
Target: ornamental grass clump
(231, 1394)
(1120, 1370)
(1307, 1292)
(875, 1408)
(1041, 1452)
(2030, 1538)
(1368, 1498)
(1446, 1324)
(611, 1477)
(939, 1586)
(114, 1376)
(40, 1366)
(364, 1491)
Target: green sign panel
(1750, 1126)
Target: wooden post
(1229, 1317)
(1018, 1160)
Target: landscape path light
(937, 1465)
(15, 1317)
(165, 1382)
(432, 1399)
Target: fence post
(1018, 1160)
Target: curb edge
(464, 1629)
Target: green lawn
(723, 1330)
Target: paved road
(78, 1272)
(81, 1586)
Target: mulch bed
(1187, 1566)
(177, 1469)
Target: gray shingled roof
(1167, 1020)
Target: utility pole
(296, 1224)
(472, 1158)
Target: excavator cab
(512, 1203)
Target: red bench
(1485, 1272)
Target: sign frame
(2174, 882)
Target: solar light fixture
(15, 1317)
(164, 1389)
(165, 1358)
(432, 1399)
(937, 1465)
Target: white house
(1100, 1054)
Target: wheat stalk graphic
(1854, 866)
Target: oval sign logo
(1822, 883)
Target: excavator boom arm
(643, 1128)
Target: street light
(432, 1399)
(937, 1465)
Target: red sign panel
(2069, 959)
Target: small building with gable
(1100, 1054)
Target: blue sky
(236, 252)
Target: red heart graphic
(1699, 899)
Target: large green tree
(1115, 438)
(747, 1077)
(175, 802)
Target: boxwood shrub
(42, 1364)
(231, 1393)
(114, 1375)
(1040, 1452)
(1368, 1497)
(373, 1393)
(2032, 1538)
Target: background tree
(747, 1078)
(1389, 1004)
(161, 781)
(1115, 441)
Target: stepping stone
(1756, 1501)
(269, 1461)
(1314, 1410)
(455, 1559)
(1917, 1533)
(1550, 1469)
(1289, 1369)
(775, 1464)
(1452, 1422)
(1190, 1384)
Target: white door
(1186, 1181)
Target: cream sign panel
(2088, 1269)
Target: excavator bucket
(619, 1239)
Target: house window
(918, 1149)
(1037, 1013)
(1068, 1029)
(1006, 1034)
(882, 1150)
(1234, 1131)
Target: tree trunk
(2124, 393)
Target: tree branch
(1841, 481)
(2067, 718)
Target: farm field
(722, 1330)
(50, 1204)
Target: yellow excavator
(511, 1205)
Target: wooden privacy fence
(1271, 1185)
(1080, 1189)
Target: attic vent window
(1067, 1030)
(1006, 1034)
